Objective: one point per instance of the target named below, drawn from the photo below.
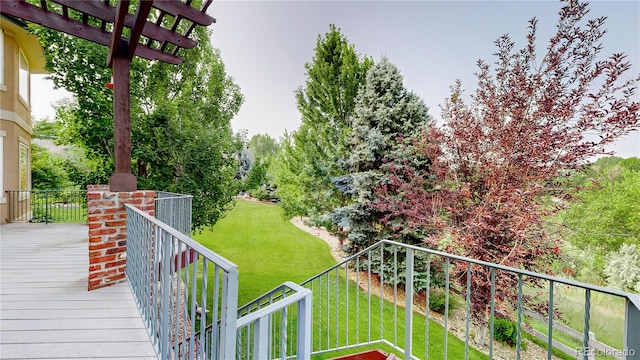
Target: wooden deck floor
(46, 311)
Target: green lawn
(270, 250)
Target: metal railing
(181, 287)
(356, 304)
(46, 206)
(277, 325)
(174, 210)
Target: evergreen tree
(385, 114)
(326, 104)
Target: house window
(23, 81)
(24, 167)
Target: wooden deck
(46, 311)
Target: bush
(506, 331)
(259, 193)
(622, 268)
(437, 301)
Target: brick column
(108, 231)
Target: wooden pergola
(156, 30)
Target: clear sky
(265, 44)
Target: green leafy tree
(604, 216)
(326, 104)
(385, 114)
(180, 118)
(47, 169)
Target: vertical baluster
(203, 308)
(467, 312)
(426, 308)
(587, 314)
(446, 307)
(492, 305)
(395, 295)
(337, 309)
(519, 318)
(346, 301)
(357, 300)
(408, 309)
(369, 296)
(381, 290)
(550, 323)
(328, 307)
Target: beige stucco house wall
(20, 56)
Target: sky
(265, 45)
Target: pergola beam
(144, 7)
(36, 15)
(89, 20)
(103, 11)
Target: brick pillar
(107, 220)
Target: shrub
(506, 331)
(437, 301)
(259, 193)
(623, 268)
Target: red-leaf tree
(496, 162)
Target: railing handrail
(277, 291)
(300, 293)
(633, 298)
(224, 264)
(163, 195)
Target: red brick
(124, 195)
(93, 254)
(116, 277)
(93, 284)
(113, 210)
(103, 217)
(93, 195)
(101, 246)
(94, 225)
(115, 263)
(115, 250)
(95, 232)
(95, 267)
(115, 223)
(93, 211)
(95, 239)
(102, 274)
(116, 237)
(132, 201)
(102, 259)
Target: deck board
(46, 311)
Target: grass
(59, 213)
(270, 250)
(606, 315)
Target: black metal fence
(69, 206)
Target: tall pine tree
(386, 114)
(326, 104)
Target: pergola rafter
(147, 37)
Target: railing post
(46, 206)
(305, 307)
(229, 315)
(261, 339)
(408, 302)
(632, 328)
